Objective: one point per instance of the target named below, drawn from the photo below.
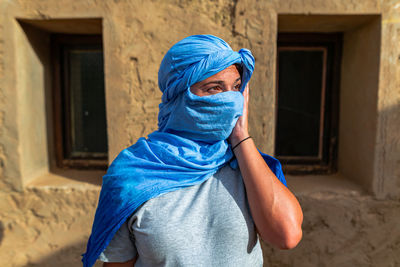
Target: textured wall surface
(46, 220)
(46, 227)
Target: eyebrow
(221, 82)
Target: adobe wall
(45, 218)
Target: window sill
(323, 186)
(59, 178)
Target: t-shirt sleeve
(121, 248)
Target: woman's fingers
(245, 106)
(246, 91)
(240, 131)
(246, 100)
(243, 120)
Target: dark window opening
(79, 101)
(308, 68)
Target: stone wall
(350, 219)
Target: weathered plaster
(387, 171)
(39, 223)
(358, 97)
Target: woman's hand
(241, 129)
(276, 212)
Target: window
(79, 101)
(308, 67)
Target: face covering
(190, 144)
(205, 118)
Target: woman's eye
(237, 87)
(214, 89)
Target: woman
(197, 191)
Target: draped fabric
(190, 144)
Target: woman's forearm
(276, 212)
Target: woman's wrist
(236, 138)
(240, 142)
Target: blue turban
(190, 144)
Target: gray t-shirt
(208, 224)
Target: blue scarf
(190, 144)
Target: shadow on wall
(69, 256)
(1, 231)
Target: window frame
(61, 102)
(326, 162)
